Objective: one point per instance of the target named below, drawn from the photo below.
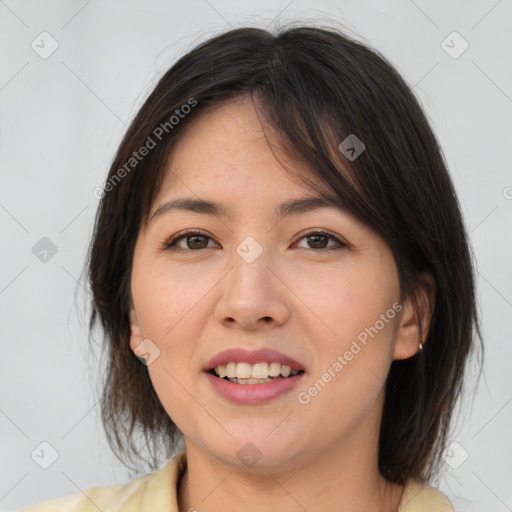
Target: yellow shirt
(157, 492)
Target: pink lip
(256, 356)
(253, 393)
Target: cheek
(358, 308)
(344, 302)
(165, 298)
(168, 305)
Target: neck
(319, 481)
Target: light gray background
(61, 121)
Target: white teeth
(259, 371)
(250, 381)
(275, 369)
(285, 371)
(243, 370)
(230, 370)
(254, 372)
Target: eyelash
(171, 243)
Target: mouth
(259, 383)
(248, 375)
(253, 377)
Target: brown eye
(318, 240)
(194, 240)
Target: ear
(135, 329)
(416, 317)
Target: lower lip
(254, 393)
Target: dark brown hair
(315, 87)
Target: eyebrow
(291, 207)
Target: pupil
(195, 237)
(315, 239)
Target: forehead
(227, 165)
(227, 152)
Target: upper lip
(252, 357)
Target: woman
(284, 280)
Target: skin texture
(195, 302)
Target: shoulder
(418, 497)
(154, 491)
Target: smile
(253, 391)
(246, 373)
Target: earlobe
(415, 321)
(135, 330)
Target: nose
(253, 294)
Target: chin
(258, 452)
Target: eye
(193, 240)
(197, 240)
(318, 239)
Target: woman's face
(253, 280)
